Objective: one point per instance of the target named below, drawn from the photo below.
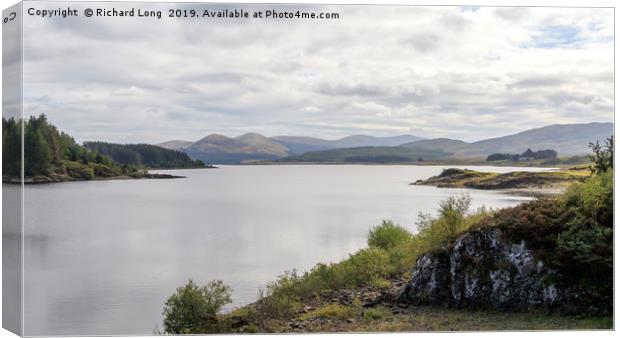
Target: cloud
(460, 72)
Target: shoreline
(49, 180)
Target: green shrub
(193, 309)
(387, 235)
(602, 157)
(365, 266)
(79, 170)
(438, 233)
(282, 297)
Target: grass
(335, 311)
(465, 178)
(381, 319)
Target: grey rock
(483, 270)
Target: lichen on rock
(483, 270)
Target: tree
(193, 309)
(37, 154)
(603, 156)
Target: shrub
(79, 170)
(603, 156)
(193, 309)
(365, 266)
(438, 233)
(387, 235)
(282, 297)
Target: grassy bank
(466, 178)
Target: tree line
(545, 154)
(145, 155)
(49, 152)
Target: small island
(538, 183)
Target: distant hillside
(300, 144)
(370, 155)
(221, 149)
(566, 139)
(216, 148)
(146, 155)
(175, 144)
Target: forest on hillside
(51, 155)
(146, 155)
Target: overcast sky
(457, 72)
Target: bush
(387, 235)
(438, 233)
(366, 266)
(193, 309)
(79, 170)
(603, 156)
(282, 297)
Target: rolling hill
(566, 139)
(216, 148)
(175, 144)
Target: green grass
(381, 319)
(466, 178)
(335, 311)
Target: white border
(539, 3)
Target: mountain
(216, 148)
(443, 144)
(370, 155)
(566, 139)
(298, 145)
(371, 141)
(175, 144)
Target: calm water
(101, 257)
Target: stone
(483, 270)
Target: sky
(460, 72)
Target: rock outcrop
(483, 270)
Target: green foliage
(438, 233)
(48, 151)
(11, 147)
(146, 155)
(387, 235)
(371, 155)
(547, 154)
(603, 156)
(194, 309)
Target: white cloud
(442, 71)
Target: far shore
(428, 163)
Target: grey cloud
(124, 82)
